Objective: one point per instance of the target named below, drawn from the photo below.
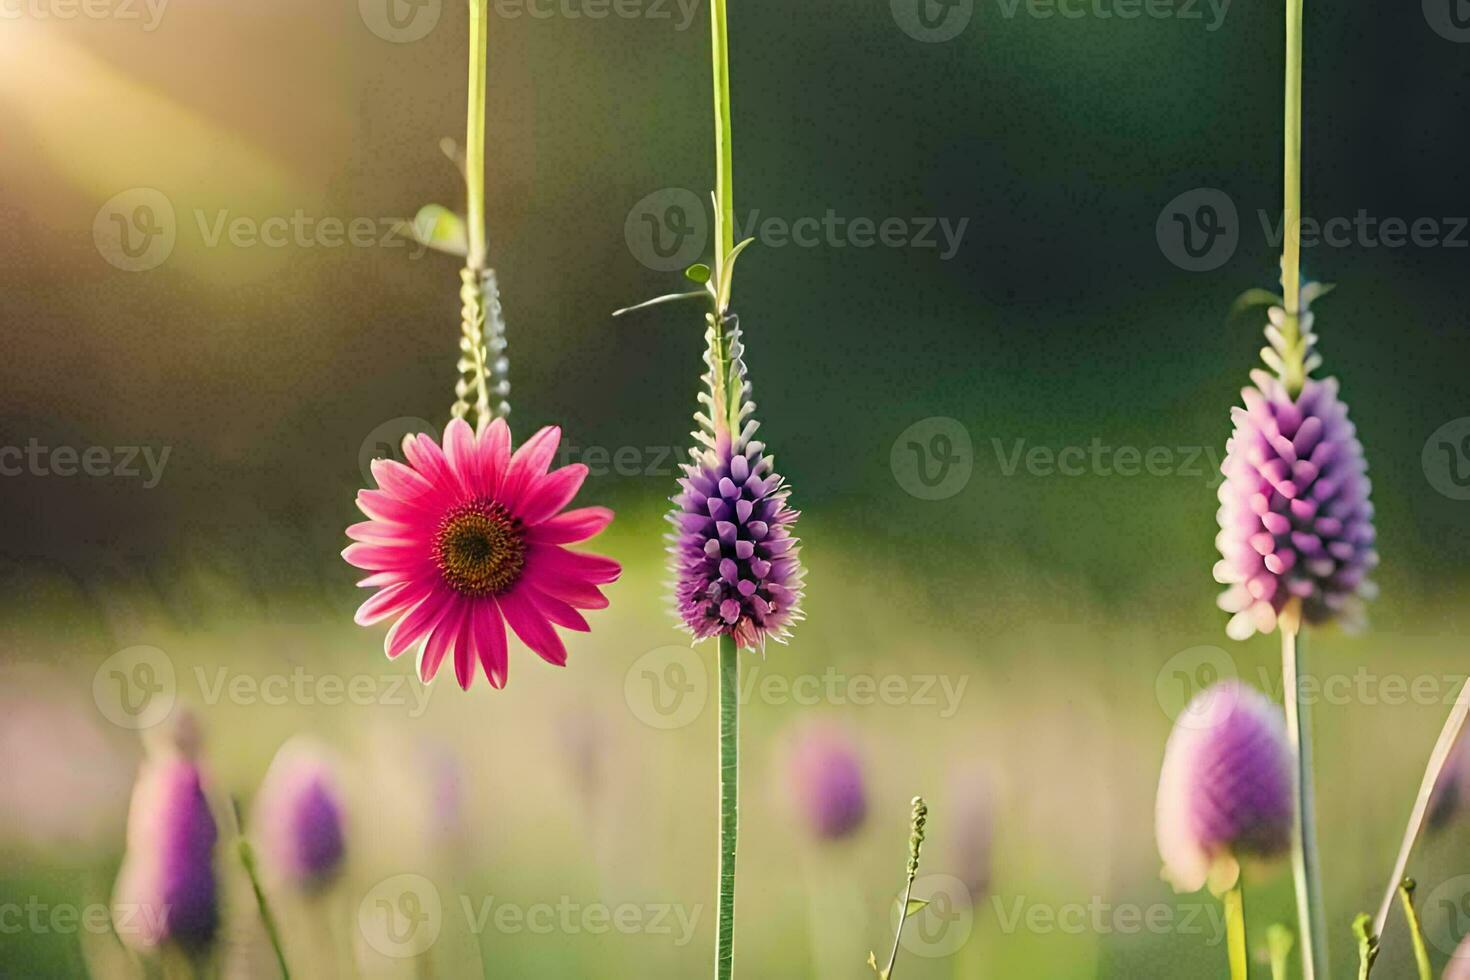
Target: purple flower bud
(1225, 787)
(733, 556)
(298, 817)
(166, 890)
(825, 777)
(1295, 519)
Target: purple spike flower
(166, 890)
(1225, 786)
(299, 816)
(825, 778)
(1296, 522)
(733, 556)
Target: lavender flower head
(1296, 523)
(1225, 786)
(825, 778)
(298, 817)
(166, 891)
(732, 554)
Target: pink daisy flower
(466, 538)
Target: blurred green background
(1068, 607)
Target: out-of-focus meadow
(1006, 638)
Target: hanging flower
(166, 890)
(465, 538)
(1225, 786)
(299, 817)
(733, 556)
(1295, 518)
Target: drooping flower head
(825, 779)
(1296, 522)
(467, 537)
(732, 554)
(166, 891)
(1225, 786)
(298, 817)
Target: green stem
(724, 179)
(476, 280)
(1291, 258)
(1421, 953)
(1367, 945)
(1234, 900)
(1305, 863)
(729, 803)
(247, 858)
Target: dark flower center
(480, 549)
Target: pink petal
(401, 482)
(531, 626)
(380, 557)
(464, 649)
(464, 459)
(425, 456)
(490, 641)
(412, 627)
(493, 446)
(593, 569)
(383, 506)
(394, 599)
(548, 495)
(440, 642)
(572, 591)
(559, 612)
(529, 462)
(572, 526)
(376, 532)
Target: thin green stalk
(1305, 863)
(1367, 945)
(1291, 258)
(1279, 941)
(247, 858)
(1448, 735)
(475, 278)
(1416, 931)
(918, 820)
(1234, 900)
(724, 157)
(729, 803)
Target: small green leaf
(915, 905)
(659, 300)
(440, 229)
(698, 272)
(1252, 298)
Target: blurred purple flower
(299, 815)
(1225, 786)
(1295, 517)
(825, 778)
(1452, 793)
(166, 891)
